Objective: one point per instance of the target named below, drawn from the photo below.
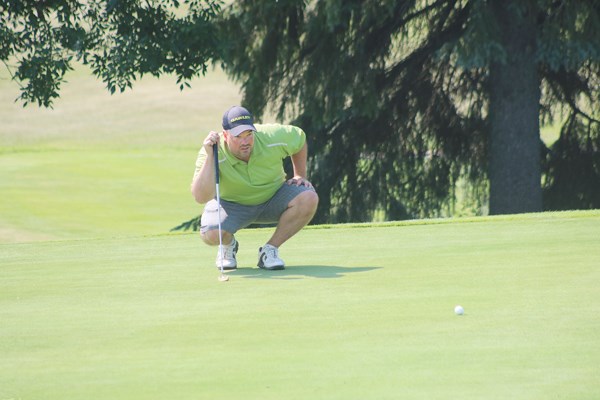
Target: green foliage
(150, 38)
(42, 36)
(573, 167)
(190, 225)
(395, 94)
(387, 122)
(120, 39)
(479, 45)
(569, 34)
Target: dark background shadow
(299, 272)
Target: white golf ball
(458, 310)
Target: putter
(222, 277)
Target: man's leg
(209, 223)
(230, 247)
(211, 237)
(299, 212)
(233, 217)
(295, 216)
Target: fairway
(99, 165)
(361, 312)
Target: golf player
(253, 186)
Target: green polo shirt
(256, 181)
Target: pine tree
(405, 99)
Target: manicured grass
(57, 194)
(99, 165)
(361, 312)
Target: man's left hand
(299, 181)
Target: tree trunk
(515, 151)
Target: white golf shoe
(229, 252)
(268, 258)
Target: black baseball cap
(237, 120)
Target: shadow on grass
(299, 272)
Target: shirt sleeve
(299, 138)
(293, 136)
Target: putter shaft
(222, 277)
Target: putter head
(223, 278)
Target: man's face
(241, 145)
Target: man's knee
(306, 201)
(211, 237)
(312, 199)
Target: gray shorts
(236, 216)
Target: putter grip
(216, 157)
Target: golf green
(361, 312)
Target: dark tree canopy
(405, 99)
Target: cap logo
(241, 117)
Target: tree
(120, 39)
(514, 98)
(405, 98)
